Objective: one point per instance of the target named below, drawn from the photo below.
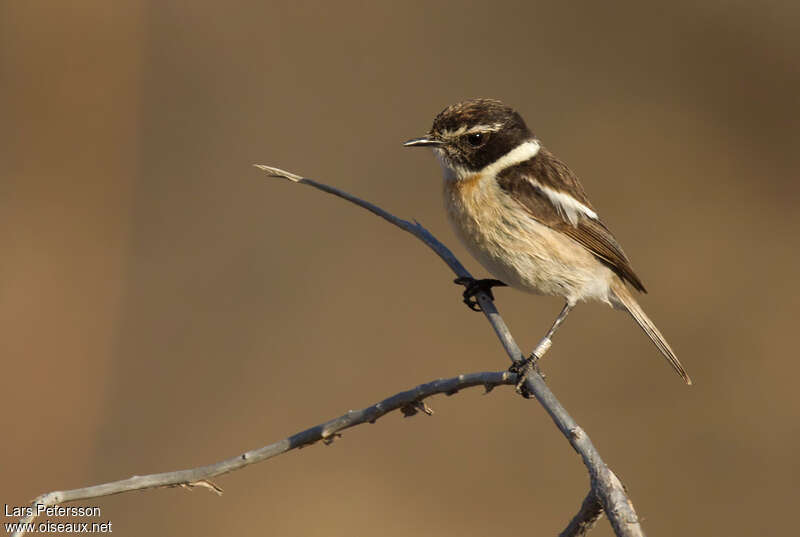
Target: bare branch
(608, 488)
(416, 229)
(590, 512)
(409, 402)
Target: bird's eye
(476, 138)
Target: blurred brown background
(165, 305)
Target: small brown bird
(525, 217)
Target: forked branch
(606, 492)
(604, 483)
(587, 516)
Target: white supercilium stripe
(494, 127)
(521, 153)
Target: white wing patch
(569, 208)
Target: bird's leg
(524, 367)
(474, 287)
(546, 341)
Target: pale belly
(520, 251)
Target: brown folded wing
(589, 232)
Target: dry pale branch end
(425, 408)
(415, 407)
(277, 172)
(202, 483)
(329, 438)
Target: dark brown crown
(507, 131)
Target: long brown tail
(626, 299)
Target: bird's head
(470, 135)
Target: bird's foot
(522, 369)
(474, 287)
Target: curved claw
(474, 286)
(522, 368)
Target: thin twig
(590, 512)
(409, 402)
(608, 488)
(416, 229)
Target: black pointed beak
(425, 141)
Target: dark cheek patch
(498, 144)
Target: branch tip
(413, 407)
(328, 440)
(277, 172)
(202, 483)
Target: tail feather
(623, 295)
